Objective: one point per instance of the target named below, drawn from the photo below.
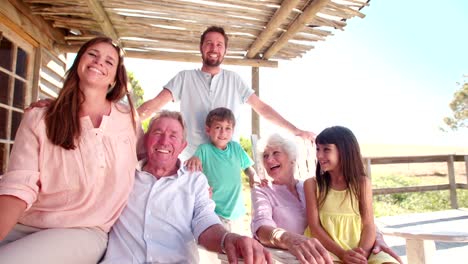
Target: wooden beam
(278, 18)
(256, 87)
(102, 18)
(45, 27)
(466, 167)
(408, 189)
(181, 57)
(311, 10)
(452, 182)
(15, 15)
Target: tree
(137, 91)
(459, 106)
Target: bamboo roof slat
(267, 30)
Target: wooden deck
(426, 233)
(279, 257)
(420, 238)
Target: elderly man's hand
(194, 164)
(247, 248)
(307, 250)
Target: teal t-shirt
(223, 170)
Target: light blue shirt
(162, 220)
(199, 93)
(223, 170)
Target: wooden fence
(452, 185)
(305, 168)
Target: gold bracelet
(270, 239)
(223, 249)
(275, 235)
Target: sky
(389, 77)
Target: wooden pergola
(37, 34)
(261, 31)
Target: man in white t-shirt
(201, 90)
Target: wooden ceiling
(261, 32)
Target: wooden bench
(279, 256)
(421, 230)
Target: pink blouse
(84, 187)
(274, 205)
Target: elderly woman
(279, 211)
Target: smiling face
(98, 66)
(278, 165)
(164, 142)
(213, 49)
(220, 133)
(328, 157)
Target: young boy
(221, 162)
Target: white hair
(276, 140)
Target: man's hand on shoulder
(307, 135)
(193, 164)
(41, 103)
(249, 249)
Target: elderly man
(169, 209)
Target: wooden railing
(452, 185)
(305, 168)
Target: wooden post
(36, 75)
(256, 88)
(419, 251)
(368, 162)
(452, 182)
(466, 168)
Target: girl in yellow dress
(339, 200)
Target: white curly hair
(276, 140)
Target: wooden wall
(29, 69)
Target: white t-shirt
(199, 93)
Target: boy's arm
(254, 178)
(250, 172)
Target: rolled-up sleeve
(262, 209)
(22, 175)
(203, 214)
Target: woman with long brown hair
(72, 165)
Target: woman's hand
(380, 245)
(354, 256)
(307, 250)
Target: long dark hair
(62, 117)
(350, 162)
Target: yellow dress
(342, 222)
